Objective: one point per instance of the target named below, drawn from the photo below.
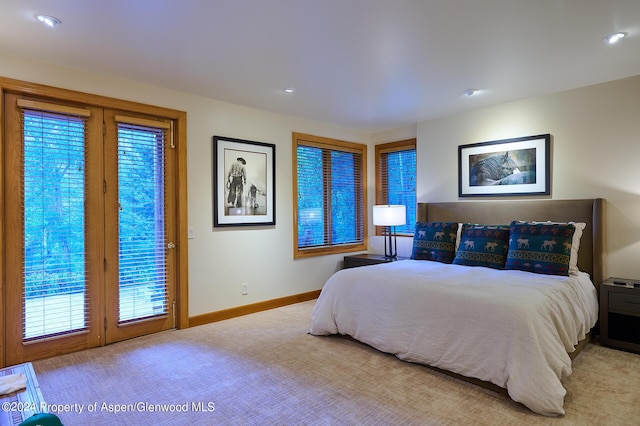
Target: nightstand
(620, 314)
(367, 259)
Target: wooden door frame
(91, 336)
(114, 329)
(179, 119)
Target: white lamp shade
(393, 215)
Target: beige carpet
(265, 369)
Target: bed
(514, 330)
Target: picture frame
(244, 176)
(507, 167)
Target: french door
(140, 260)
(89, 226)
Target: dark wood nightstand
(367, 259)
(620, 314)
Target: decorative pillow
(458, 236)
(575, 246)
(435, 241)
(540, 247)
(483, 245)
(575, 243)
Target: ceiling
(365, 64)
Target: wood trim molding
(82, 98)
(2, 224)
(252, 308)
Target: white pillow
(458, 235)
(575, 246)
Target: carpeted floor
(265, 369)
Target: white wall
(220, 259)
(595, 153)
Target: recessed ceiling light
(614, 38)
(288, 90)
(470, 92)
(50, 21)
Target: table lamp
(390, 216)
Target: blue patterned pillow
(483, 245)
(435, 241)
(540, 247)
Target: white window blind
(53, 193)
(142, 243)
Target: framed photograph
(244, 176)
(508, 167)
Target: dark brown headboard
(592, 254)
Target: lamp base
(392, 251)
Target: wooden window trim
(327, 143)
(386, 148)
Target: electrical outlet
(245, 291)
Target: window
(396, 179)
(329, 182)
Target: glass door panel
(142, 263)
(139, 290)
(51, 274)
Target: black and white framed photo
(508, 167)
(243, 182)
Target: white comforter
(510, 328)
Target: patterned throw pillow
(435, 241)
(540, 247)
(575, 244)
(483, 245)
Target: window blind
(53, 193)
(142, 242)
(397, 178)
(330, 192)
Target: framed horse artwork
(508, 167)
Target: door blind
(53, 195)
(143, 291)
